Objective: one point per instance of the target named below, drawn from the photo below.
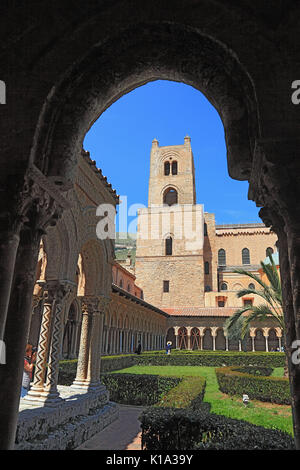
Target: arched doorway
(207, 339)
(273, 341)
(182, 338)
(195, 339)
(220, 340)
(259, 341)
(171, 337)
(70, 335)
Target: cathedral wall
(233, 241)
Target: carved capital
(252, 332)
(90, 305)
(31, 202)
(275, 180)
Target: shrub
(255, 370)
(122, 361)
(188, 393)
(138, 389)
(263, 388)
(212, 359)
(67, 371)
(187, 429)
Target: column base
(38, 396)
(88, 386)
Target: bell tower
(169, 252)
(172, 174)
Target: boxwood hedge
(188, 429)
(138, 389)
(188, 393)
(146, 389)
(237, 381)
(213, 358)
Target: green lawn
(260, 413)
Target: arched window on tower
(224, 286)
(167, 168)
(170, 197)
(222, 257)
(245, 256)
(174, 168)
(169, 246)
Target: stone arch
(170, 196)
(170, 336)
(195, 338)
(220, 340)
(237, 286)
(145, 54)
(93, 266)
(71, 331)
(207, 339)
(182, 338)
(259, 340)
(273, 341)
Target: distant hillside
(125, 244)
(125, 240)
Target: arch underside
(147, 53)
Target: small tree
(269, 292)
(234, 331)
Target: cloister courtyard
(197, 326)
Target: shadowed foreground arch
(87, 57)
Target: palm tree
(234, 331)
(269, 292)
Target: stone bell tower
(169, 256)
(172, 167)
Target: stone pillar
(201, 332)
(32, 203)
(89, 360)
(252, 335)
(279, 336)
(9, 242)
(188, 337)
(214, 331)
(266, 335)
(176, 329)
(85, 339)
(226, 341)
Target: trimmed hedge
(67, 368)
(188, 393)
(138, 389)
(187, 429)
(67, 371)
(213, 359)
(233, 381)
(122, 361)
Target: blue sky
(120, 142)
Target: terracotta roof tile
(202, 311)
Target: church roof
(201, 311)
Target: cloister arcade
(214, 338)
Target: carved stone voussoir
(275, 179)
(35, 203)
